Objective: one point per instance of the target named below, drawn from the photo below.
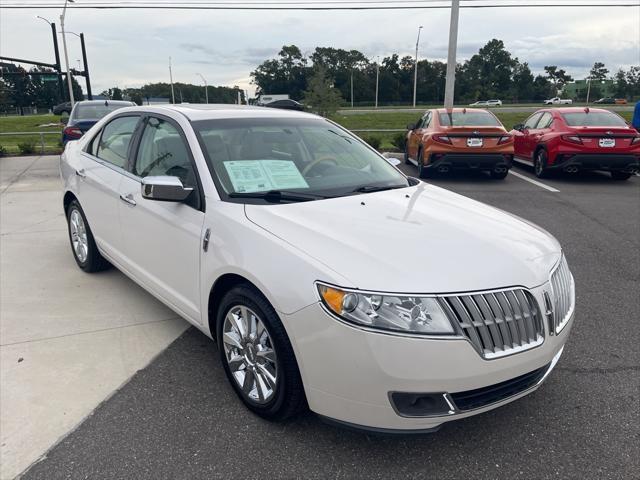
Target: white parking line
(535, 182)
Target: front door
(163, 240)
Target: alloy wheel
(79, 239)
(250, 354)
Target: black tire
(540, 164)
(94, 261)
(499, 175)
(423, 172)
(288, 397)
(618, 175)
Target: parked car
(86, 113)
(286, 104)
(64, 107)
(479, 103)
(621, 101)
(444, 140)
(574, 139)
(272, 231)
(606, 101)
(494, 103)
(558, 101)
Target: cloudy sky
(128, 48)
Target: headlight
(420, 315)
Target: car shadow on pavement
(585, 177)
(179, 418)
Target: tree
(321, 95)
(116, 94)
(522, 87)
(621, 86)
(558, 77)
(598, 72)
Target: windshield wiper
(377, 188)
(279, 196)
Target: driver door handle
(128, 199)
(81, 173)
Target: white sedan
(326, 276)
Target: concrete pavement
(68, 340)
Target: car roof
(102, 102)
(221, 111)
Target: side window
(545, 120)
(427, 120)
(115, 139)
(163, 151)
(532, 121)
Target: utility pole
(173, 96)
(588, 88)
(415, 69)
(66, 53)
(451, 58)
(86, 67)
(206, 88)
(377, 79)
(351, 88)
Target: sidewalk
(65, 346)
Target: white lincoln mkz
(327, 277)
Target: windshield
(593, 119)
(470, 118)
(95, 112)
(249, 156)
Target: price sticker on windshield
(474, 142)
(607, 142)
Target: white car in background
(558, 101)
(326, 276)
(486, 103)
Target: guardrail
(41, 134)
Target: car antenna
(464, 110)
(586, 109)
(106, 103)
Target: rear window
(470, 118)
(593, 119)
(95, 112)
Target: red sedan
(574, 139)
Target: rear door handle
(81, 173)
(128, 199)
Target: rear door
(416, 135)
(163, 240)
(103, 166)
(522, 140)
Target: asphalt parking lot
(179, 418)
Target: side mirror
(164, 188)
(411, 126)
(519, 127)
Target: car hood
(420, 239)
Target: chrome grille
(497, 323)
(562, 287)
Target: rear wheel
(617, 175)
(423, 172)
(540, 164)
(82, 242)
(257, 355)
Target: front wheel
(540, 164)
(257, 355)
(617, 175)
(499, 175)
(82, 242)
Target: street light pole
(206, 88)
(173, 96)
(415, 69)
(588, 88)
(377, 78)
(351, 88)
(56, 52)
(451, 58)
(66, 53)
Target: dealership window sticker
(249, 176)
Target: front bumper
(350, 374)
(597, 161)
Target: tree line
(491, 73)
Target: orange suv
(459, 138)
